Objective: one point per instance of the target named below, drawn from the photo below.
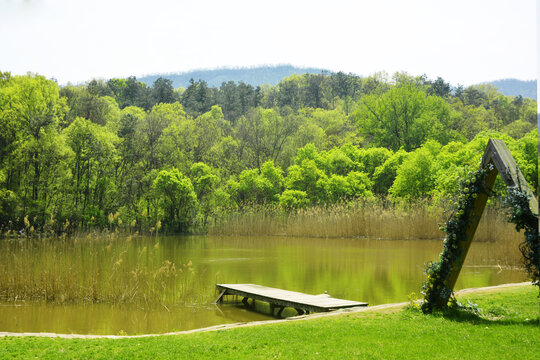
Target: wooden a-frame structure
(497, 154)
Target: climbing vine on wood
(434, 288)
(437, 272)
(524, 219)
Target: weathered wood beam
(220, 296)
(474, 219)
(498, 154)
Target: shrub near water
(93, 270)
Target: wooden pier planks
(284, 298)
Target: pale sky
(463, 41)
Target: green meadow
(498, 324)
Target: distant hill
(272, 75)
(515, 87)
(254, 76)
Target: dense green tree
(367, 160)
(198, 98)
(151, 128)
(439, 87)
(30, 108)
(210, 128)
(129, 168)
(7, 200)
(93, 166)
(262, 187)
(229, 101)
(177, 143)
(236, 100)
(525, 151)
(262, 135)
(289, 92)
(176, 198)
(99, 88)
(416, 176)
(205, 182)
(91, 153)
(473, 96)
(307, 177)
(313, 90)
(293, 200)
(339, 163)
(404, 116)
(163, 91)
(385, 174)
(253, 188)
(343, 86)
(131, 92)
(518, 129)
(274, 176)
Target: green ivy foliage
(524, 219)
(434, 289)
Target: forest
(119, 154)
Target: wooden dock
(278, 298)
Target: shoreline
(254, 323)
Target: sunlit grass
(507, 328)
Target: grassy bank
(506, 324)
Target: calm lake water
(376, 271)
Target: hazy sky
(463, 41)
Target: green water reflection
(376, 271)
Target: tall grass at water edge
(378, 219)
(92, 270)
(119, 269)
(357, 219)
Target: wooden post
(220, 297)
(499, 156)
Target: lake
(142, 285)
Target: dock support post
(220, 297)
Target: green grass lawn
(506, 325)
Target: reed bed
(107, 267)
(112, 270)
(379, 220)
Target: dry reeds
(92, 270)
(380, 220)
